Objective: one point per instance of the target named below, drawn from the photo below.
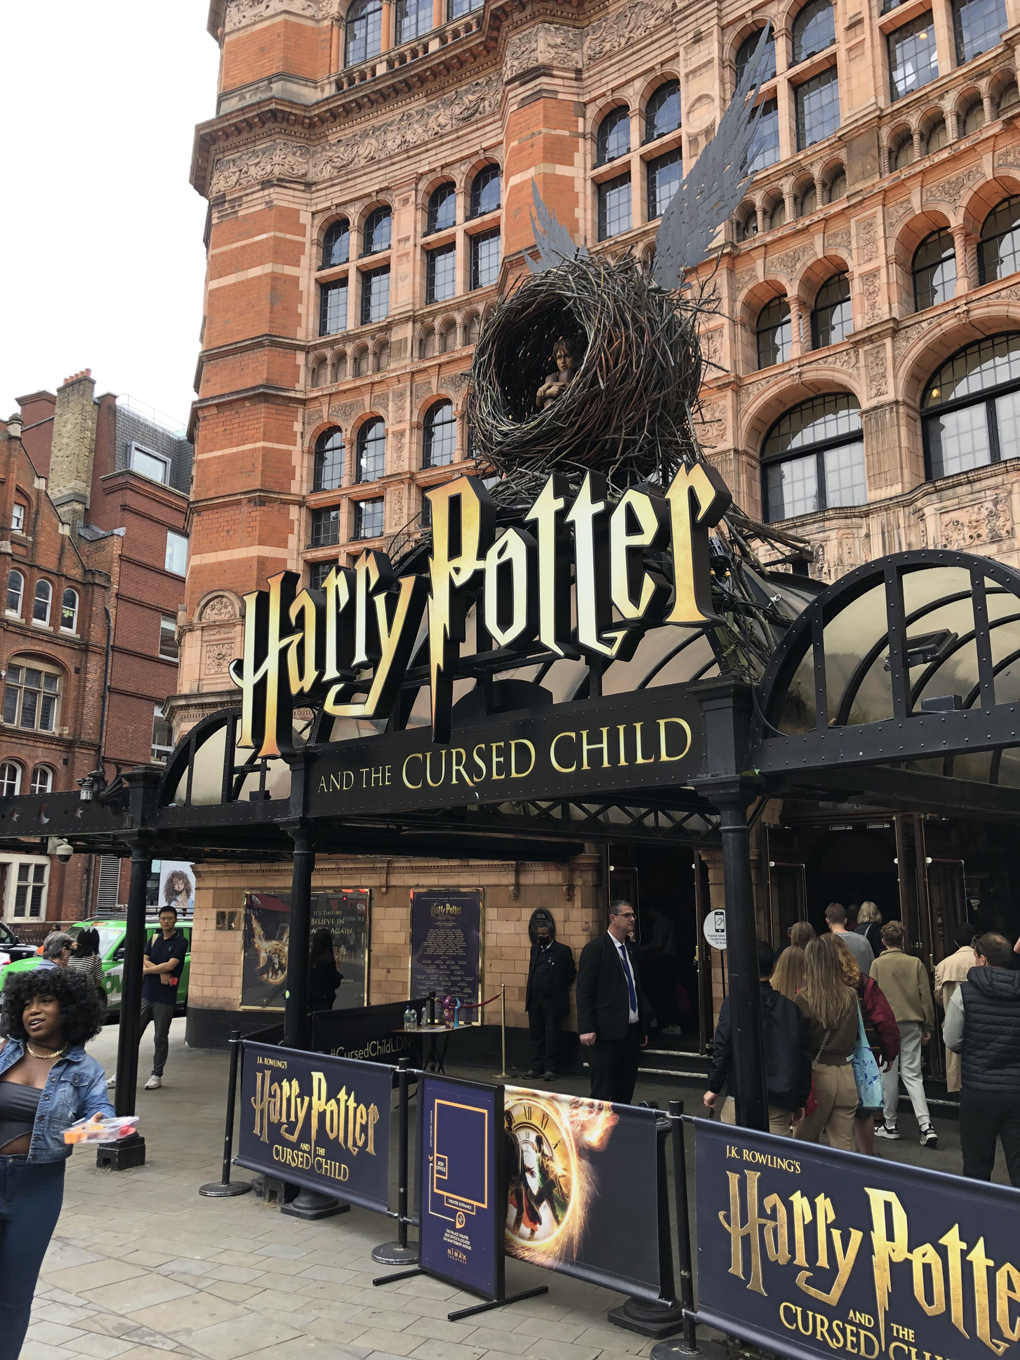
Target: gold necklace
(46, 1057)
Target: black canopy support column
(731, 786)
(295, 1023)
(128, 1034)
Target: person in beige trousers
(948, 975)
(903, 979)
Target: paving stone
(199, 1310)
(547, 1329)
(231, 1290)
(446, 1350)
(102, 1347)
(285, 1253)
(41, 1350)
(394, 1343)
(230, 1340)
(142, 1292)
(62, 1254)
(50, 1311)
(53, 1333)
(96, 1274)
(560, 1350)
(508, 1343)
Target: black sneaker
(550, 1076)
(887, 1131)
(535, 1072)
(929, 1138)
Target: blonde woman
(801, 934)
(788, 977)
(830, 1007)
(869, 924)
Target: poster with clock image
(575, 1202)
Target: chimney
(74, 446)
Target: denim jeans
(31, 1194)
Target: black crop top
(18, 1106)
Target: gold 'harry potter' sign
(348, 644)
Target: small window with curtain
(31, 695)
(69, 611)
(18, 517)
(368, 519)
(485, 258)
(485, 191)
(664, 176)
(15, 593)
(814, 29)
(378, 233)
(328, 474)
(934, 270)
(375, 294)
(817, 108)
(168, 648)
(775, 333)
(336, 244)
(42, 779)
(746, 51)
(10, 779)
(441, 273)
(614, 207)
(442, 209)
(978, 25)
(832, 317)
(364, 31)
(439, 436)
(325, 527)
(999, 247)
(613, 137)
(662, 112)
(42, 603)
(333, 307)
(913, 61)
(813, 458)
(162, 736)
(372, 450)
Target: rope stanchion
(503, 1074)
(225, 1188)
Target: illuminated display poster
(344, 912)
(446, 944)
(810, 1251)
(461, 1178)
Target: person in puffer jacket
(983, 1026)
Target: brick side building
(369, 173)
(93, 500)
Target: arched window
(775, 333)
(973, 119)
(662, 113)
(746, 51)
(1009, 99)
(813, 458)
(10, 779)
(15, 592)
(378, 231)
(42, 603)
(336, 244)
(372, 450)
(747, 225)
(414, 17)
(485, 191)
(972, 407)
(777, 214)
(329, 460)
(809, 199)
(814, 29)
(42, 779)
(442, 208)
(69, 611)
(31, 695)
(439, 443)
(831, 318)
(937, 137)
(999, 249)
(837, 185)
(934, 270)
(364, 30)
(613, 137)
(901, 153)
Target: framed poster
(446, 944)
(266, 945)
(461, 1175)
(177, 886)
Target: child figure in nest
(556, 383)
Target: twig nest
(626, 410)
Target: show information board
(570, 1207)
(446, 943)
(318, 1122)
(810, 1251)
(460, 1150)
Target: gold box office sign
(349, 644)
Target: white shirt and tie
(628, 973)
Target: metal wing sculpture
(554, 242)
(715, 185)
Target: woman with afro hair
(47, 1082)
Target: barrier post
(225, 1187)
(502, 1074)
(688, 1343)
(399, 1253)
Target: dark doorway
(851, 863)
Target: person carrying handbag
(879, 1033)
(832, 1013)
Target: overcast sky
(102, 233)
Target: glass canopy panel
(799, 713)
(1009, 767)
(695, 662)
(207, 776)
(675, 647)
(848, 637)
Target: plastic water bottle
(409, 1017)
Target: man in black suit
(612, 1009)
(547, 1000)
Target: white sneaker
(153, 1084)
(111, 1081)
(887, 1131)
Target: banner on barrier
(369, 1033)
(318, 1122)
(582, 1189)
(810, 1251)
(460, 1159)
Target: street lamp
(90, 785)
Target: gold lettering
(457, 757)
(479, 761)
(640, 758)
(749, 1229)
(435, 783)
(1007, 1291)
(588, 746)
(497, 759)
(634, 593)
(980, 1265)
(662, 738)
(698, 499)
(922, 1256)
(415, 755)
(563, 769)
(777, 1238)
(373, 1119)
(515, 773)
(801, 1217)
(955, 1247)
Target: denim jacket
(75, 1089)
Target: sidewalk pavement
(141, 1267)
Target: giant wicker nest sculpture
(627, 410)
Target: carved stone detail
(421, 391)
(219, 607)
(616, 33)
(1011, 157)
(454, 383)
(241, 12)
(541, 45)
(710, 425)
(875, 371)
(272, 160)
(871, 286)
(398, 439)
(787, 264)
(399, 407)
(344, 412)
(867, 239)
(844, 358)
(895, 214)
(989, 521)
(748, 391)
(218, 657)
(745, 279)
(906, 337)
(838, 240)
(951, 190)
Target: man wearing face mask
(612, 1009)
(547, 1000)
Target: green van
(111, 951)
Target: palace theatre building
(369, 174)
